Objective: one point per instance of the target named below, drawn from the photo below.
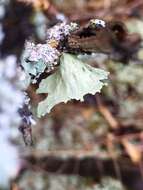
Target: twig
(113, 123)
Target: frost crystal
(97, 22)
(60, 31)
(41, 52)
(38, 57)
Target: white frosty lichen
(60, 31)
(97, 22)
(41, 52)
(40, 57)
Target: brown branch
(48, 162)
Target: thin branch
(113, 123)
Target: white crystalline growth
(98, 22)
(60, 31)
(43, 52)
